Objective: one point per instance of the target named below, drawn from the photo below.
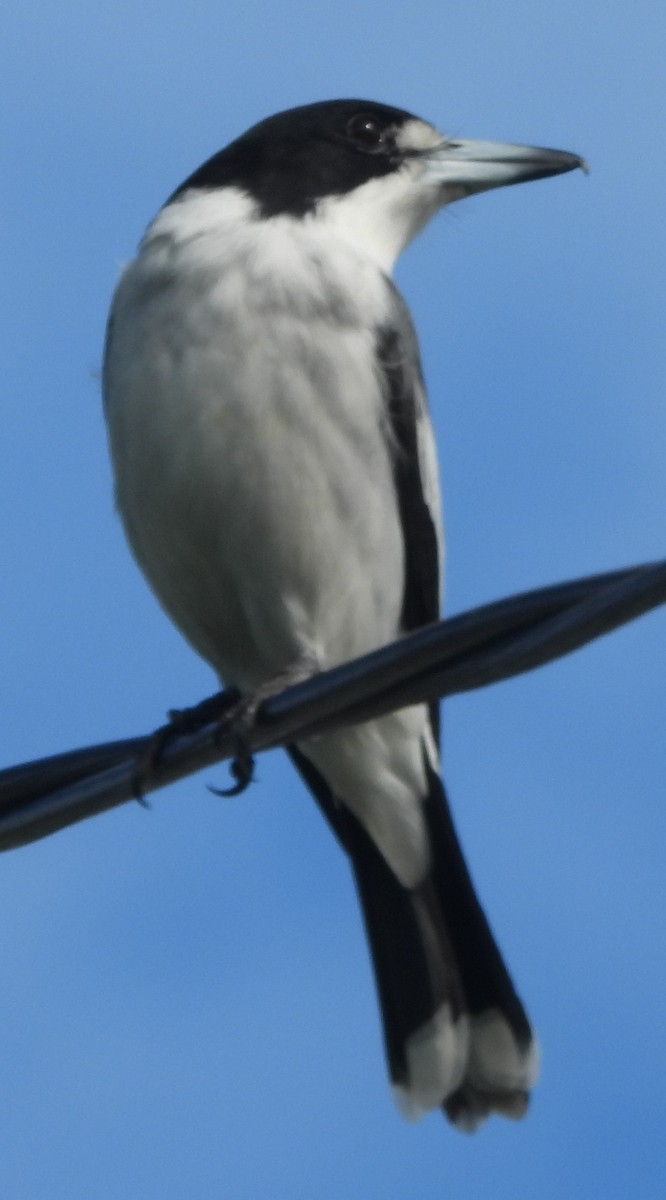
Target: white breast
(248, 439)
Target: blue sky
(186, 1004)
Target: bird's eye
(367, 132)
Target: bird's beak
(467, 167)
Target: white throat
(380, 218)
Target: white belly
(252, 470)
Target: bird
(276, 474)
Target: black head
(291, 160)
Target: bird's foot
(240, 719)
(233, 713)
(217, 709)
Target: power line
(482, 646)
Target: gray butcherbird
(276, 474)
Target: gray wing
(414, 467)
(415, 473)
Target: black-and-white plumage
(276, 475)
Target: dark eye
(367, 132)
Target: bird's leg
(233, 713)
(240, 718)
(217, 709)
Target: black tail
(456, 1033)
